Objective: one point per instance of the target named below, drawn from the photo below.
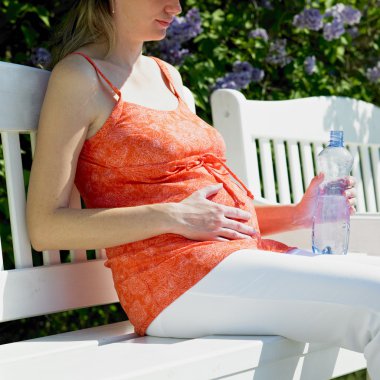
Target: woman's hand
(305, 208)
(198, 218)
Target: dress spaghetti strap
(165, 70)
(114, 88)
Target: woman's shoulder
(74, 70)
(72, 83)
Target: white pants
(301, 296)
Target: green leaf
(30, 35)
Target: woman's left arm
(280, 218)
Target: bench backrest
(272, 145)
(31, 290)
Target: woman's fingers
(232, 234)
(209, 190)
(350, 182)
(202, 219)
(218, 238)
(236, 213)
(350, 196)
(239, 227)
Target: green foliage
(26, 25)
(359, 375)
(341, 63)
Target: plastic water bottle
(331, 221)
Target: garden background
(268, 49)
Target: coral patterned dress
(143, 156)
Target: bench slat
(209, 357)
(281, 171)
(356, 172)
(375, 158)
(40, 347)
(51, 257)
(1, 258)
(307, 163)
(368, 179)
(16, 199)
(267, 170)
(49, 289)
(295, 171)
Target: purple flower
(225, 82)
(333, 30)
(181, 30)
(172, 52)
(308, 19)
(351, 16)
(185, 28)
(247, 72)
(257, 75)
(258, 33)
(40, 57)
(243, 73)
(277, 55)
(239, 67)
(348, 15)
(373, 74)
(310, 65)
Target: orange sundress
(142, 156)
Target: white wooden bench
(114, 351)
(272, 146)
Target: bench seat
(114, 351)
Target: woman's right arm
(68, 110)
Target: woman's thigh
(300, 296)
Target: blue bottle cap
(336, 138)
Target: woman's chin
(156, 38)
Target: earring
(113, 7)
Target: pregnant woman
(185, 243)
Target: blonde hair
(88, 21)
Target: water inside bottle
(331, 225)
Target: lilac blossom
(333, 30)
(310, 65)
(181, 30)
(185, 28)
(311, 19)
(373, 74)
(257, 75)
(259, 33)
(40, 57)
(348, 15)
(225, 82)
(243, 73)
(172, 52)
(277, 55)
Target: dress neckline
(122, 103)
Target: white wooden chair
(114, 351)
